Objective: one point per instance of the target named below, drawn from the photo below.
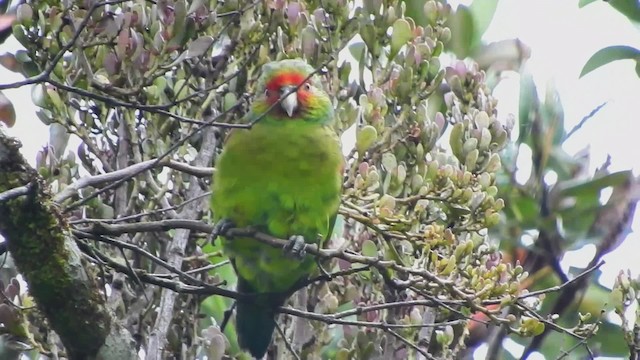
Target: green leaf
(179, 28)
(529, 104)
(215, 306)
(628, 8)
(576, 223)
(369, 248)
(564, 164)
(199, 46)
(525, 210)
(482, 12)
(338, 227)
(400, 35)
(389, 162)
(609, 54)
(577, 188)
(368, 35)
(462, 32)
(583, 3)
(553, 114)
(365, 137)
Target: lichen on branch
(38, 239)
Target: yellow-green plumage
(282, 176)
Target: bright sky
(562, 38)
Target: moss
(36, 235)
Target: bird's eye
(306, 86)
(266, 92)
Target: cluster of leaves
(625, 300)
(149, 88)
(557, 209)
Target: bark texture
(40, 243)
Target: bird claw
(323, 271)
(295, 247)
(221, 228)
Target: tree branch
(102, 228)
(128, 173)
(50, 262)
(14, 193)
(176, 252)
(197, 287)
(163, 282)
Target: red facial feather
(287, 79)
(284, 79)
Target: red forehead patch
(285, 78)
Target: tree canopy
(427, 258)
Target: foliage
(151, 88)
(631, 10)
(558, 208)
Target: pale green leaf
(610, 54)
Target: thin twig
(331, 319)
(209, 267)
(185, 277)
(287, 343)
(584, 121)
(565, 353)
(333, 275)
(409, 343)
(177, 286)
(565, 284)
(135, 276)
(14, 193)
(140, 215)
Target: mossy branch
(39, 242)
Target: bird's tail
(256, 319)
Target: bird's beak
(290, 102)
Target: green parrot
(283, 177)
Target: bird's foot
(295, 247)
(221, 228)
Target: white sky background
(562, 37)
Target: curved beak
(290, 102)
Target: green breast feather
(284, 178)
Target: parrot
(282, 176)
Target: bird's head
(291, 94)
